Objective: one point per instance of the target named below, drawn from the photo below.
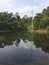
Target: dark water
(23, 48)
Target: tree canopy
(41, 20)
(9, 21)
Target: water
(19, 49)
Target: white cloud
(27, 10)
(6, 5)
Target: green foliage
(9, 21)
(47, 28)
(41, 20)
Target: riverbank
(30, 31)
(11, 31)
(40, 31)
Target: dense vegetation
(9, 21)
(41, 20)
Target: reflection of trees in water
(7, 37)
(42, 40)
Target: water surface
(23, 49)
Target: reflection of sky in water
(26, 51)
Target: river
(21, 48)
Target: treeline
(41, 20)
(9, 21)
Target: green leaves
(41, 20)
(10, 21)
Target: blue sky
(24, 7)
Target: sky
(24, 7)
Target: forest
(41, 21)
(10, 21)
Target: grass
(42, 31)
